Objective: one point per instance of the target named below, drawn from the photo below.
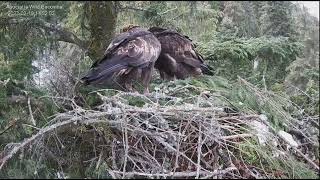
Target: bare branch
(199, 151)
(30, 112)
(160, 141)
(62, 34)
(9, 126)
(179, 174)
(124, 8)
(314, 165)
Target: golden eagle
(130, 56)
(178, 57)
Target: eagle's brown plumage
(178, 57)
(130, 56)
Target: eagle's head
(127, 28)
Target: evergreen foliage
(265, 56)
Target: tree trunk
(102, 22)
(102, 18)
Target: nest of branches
(163, 137)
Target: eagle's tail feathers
(206, 69)
(104, 70)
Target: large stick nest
(166, 137)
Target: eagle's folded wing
(128, 50)
(179, 48)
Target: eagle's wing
(134, 49)
(178, 48)
(119, 40)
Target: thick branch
(124, 8)
(179, 174)
(62, 34)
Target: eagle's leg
(128, 86)
(167, 77)
(162, 75)
(146, 77)
(171, 78)
(129, 78)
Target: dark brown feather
(130, 56)
(178, 57)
